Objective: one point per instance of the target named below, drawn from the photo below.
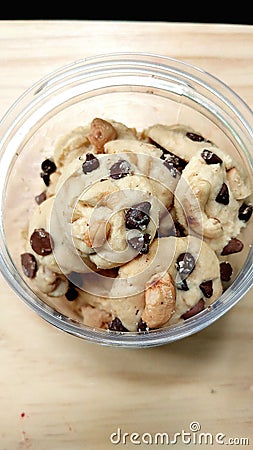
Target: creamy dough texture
(132, 226)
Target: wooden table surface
(58, 392)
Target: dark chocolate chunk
(185, 264)
(29, 264)
(140, 242)
(142, 326)
(116, 325)
(41, 242)
(245, 212)
(223, 195)
(91, 163)
(182, 285)
(194, 310)
(145, 248)
(207, 288)
(195, 137)
(173, 163)
(137, 217)
(233, 246)
(48, 166)
(179, 230)
(46, 178)
(173, 170)
(71, 293)
(210, 157)
(226, 271)
(120, 169)
(136, 239)
(40, 198)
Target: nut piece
(160, 300)
(101, 132)
(70, 146)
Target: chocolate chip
(223, 195)
(195, 137)
(120, 169)
(135, 238)
(142, 326)
(185, 264)
(173, 170)
(170, 158)
(29, 264)
(41, 242)
(194, 310)
(181, 285)
(46, 178)
(145, 248)
(245, 212)
(91, 163)
(174, 164)
(75, 281)
(140, 242)
(233, 246)
(210, 157)
(71, 293)
(207, 288)
(137, 217)
(48, 166)
(179, 230)
(226, 271)
(116, 325)
(41, 197)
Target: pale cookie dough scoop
(45, 249)
(117, 199)
(121, 206)
(210, 201)
(180, 140)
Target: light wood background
(60, 393)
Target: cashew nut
(160, 300)
(101, 132)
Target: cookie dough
(208, 198)
(132, 229)
(186, 263)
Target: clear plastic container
(138, 90)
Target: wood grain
(59, 393)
